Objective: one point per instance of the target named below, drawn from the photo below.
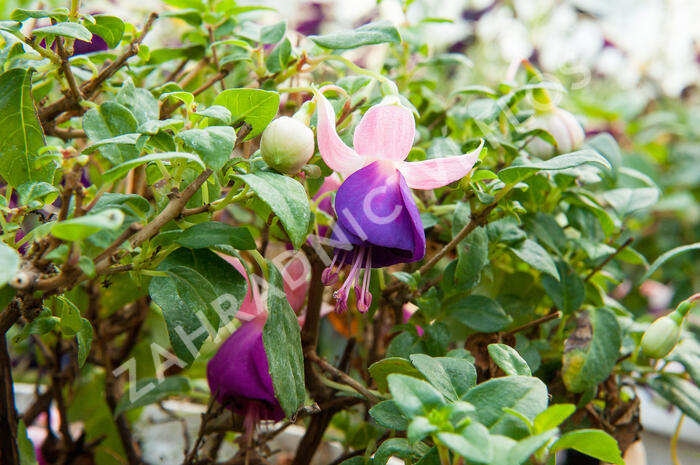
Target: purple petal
(375, 208)
(239, 372)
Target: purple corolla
(378, 223)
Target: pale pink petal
(438, 172)
(252, 305)
(295, 275)
(338, 156)
(386, 131)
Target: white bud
(563, 127)
(287, 144)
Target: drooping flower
(378, 223)
(238, 374)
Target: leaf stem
(674, 440)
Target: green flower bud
(662, 335)
(563, 127)
(286, 145)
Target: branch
(71, 276)
(343, 377)
(608, 259)
(89, 88)
(172, 211)
(533, 323)
(478, 218)
(68, 73)
(8, 412)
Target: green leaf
(679, 392)
(140, 102)
(76, 229)
(123, 168)
(72, 30)
(509, 360)
(125, 139)
(107, 121)
(370, 34)
(383, 368)
(474, 444)
(554, 416)
(283, 347)
(254, 106)
(629, 200)
(673, 253)
(523, 394)
(216, 113)
(514, 174)
(522, 451)
(594, 442)
(567, 293)
(36, 194)
(21, 14)
(212, 233)
(200, 284)
(10, 263)
(476, 89)
(537, 257)
(478, 312)
(687, 353)
(273, 33)
(472, 252)
(388, 414)
(185, 97)
(84, 338)
(397, 447)
(286, 198)
(154, 390)
(214, 144)
(279, 57)
(419, 428)
(27, 455)
(110, 28)
(21, 136)
(413, 396)
(453, 377)
(591, 350)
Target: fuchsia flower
(238, 374)
(378, 222)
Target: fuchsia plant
(378, 222)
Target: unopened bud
(286, 145)
(564, 128)
(662, 335)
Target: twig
(171, 211)
(68, 73)
(533, 323)
(89, 88)
(8, 411)
(112, 248)
(479, 218)
(343, 377)
(64, 133)
(608, 259)
(211, 412)
(168, 108)
(196, 210)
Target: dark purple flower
(378, 221)
(98, 44)
(239, 375)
